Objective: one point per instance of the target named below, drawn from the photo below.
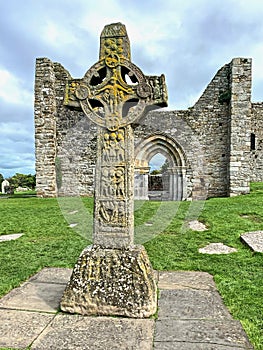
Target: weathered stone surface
(111, 282)
(43, 297)
(217, 248)
(18, 329)
(254, 240)
(186, 280)
(68, 332)
(191, 304)
(217, 332)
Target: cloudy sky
(187, 40)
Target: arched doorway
(175, 174)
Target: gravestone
(114, 276)
(5, 186)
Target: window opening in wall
(252, 142)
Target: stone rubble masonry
(45, 128)
(256, 156)
(240, 126)
(214, 135)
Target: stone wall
(45, 128)
(76, 144)
(208, 145)
(65, 140)
(203, 134)
(209, 119)
(240, 126)
(256, 146)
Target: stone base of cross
(112, 282)
(114, 276)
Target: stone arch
(176, 172)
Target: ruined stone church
(213, 149)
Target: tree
(1, 180)
(155, 172)
(164, 167)
(23, 180)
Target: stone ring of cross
(114, 92)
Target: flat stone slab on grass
(12, 237)
(18, 329)
(70, 332)
(196, 225)
(217, 248)
(254, 240)
(213, 333)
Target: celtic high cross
(114, 93)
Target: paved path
(191, 317)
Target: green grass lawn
(49, 241)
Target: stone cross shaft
(114, 93)
(114, 276)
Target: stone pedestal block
(112, 282)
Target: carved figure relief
(118, 182)
(112, 212)
(113, 149)
(112, 182)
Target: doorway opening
(158, 183)
(160, 169)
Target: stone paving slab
(68, 332)
(56, 275)
(191, 304)
(193, 346)
(186, 280)
(43, 297)
(18, 329)
(254, 240)
(220, 332)
(185, 299)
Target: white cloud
(98, 15)
(57, 34)
(12, 90)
